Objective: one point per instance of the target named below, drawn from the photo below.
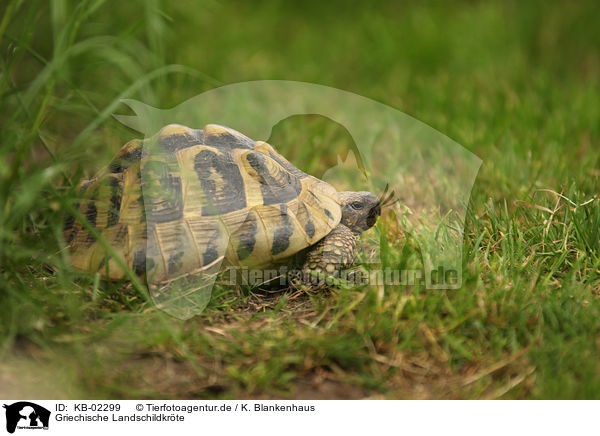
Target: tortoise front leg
(327, 258)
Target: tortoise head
(359, 210)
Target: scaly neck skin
(355, 231)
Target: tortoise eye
(356, 205)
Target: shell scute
(224, 137)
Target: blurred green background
(517, 83)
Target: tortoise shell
(185, 198)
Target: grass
(517, 84)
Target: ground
(517, 84)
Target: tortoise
(231, 198)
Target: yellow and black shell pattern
(229, 198)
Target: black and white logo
(26, 415)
